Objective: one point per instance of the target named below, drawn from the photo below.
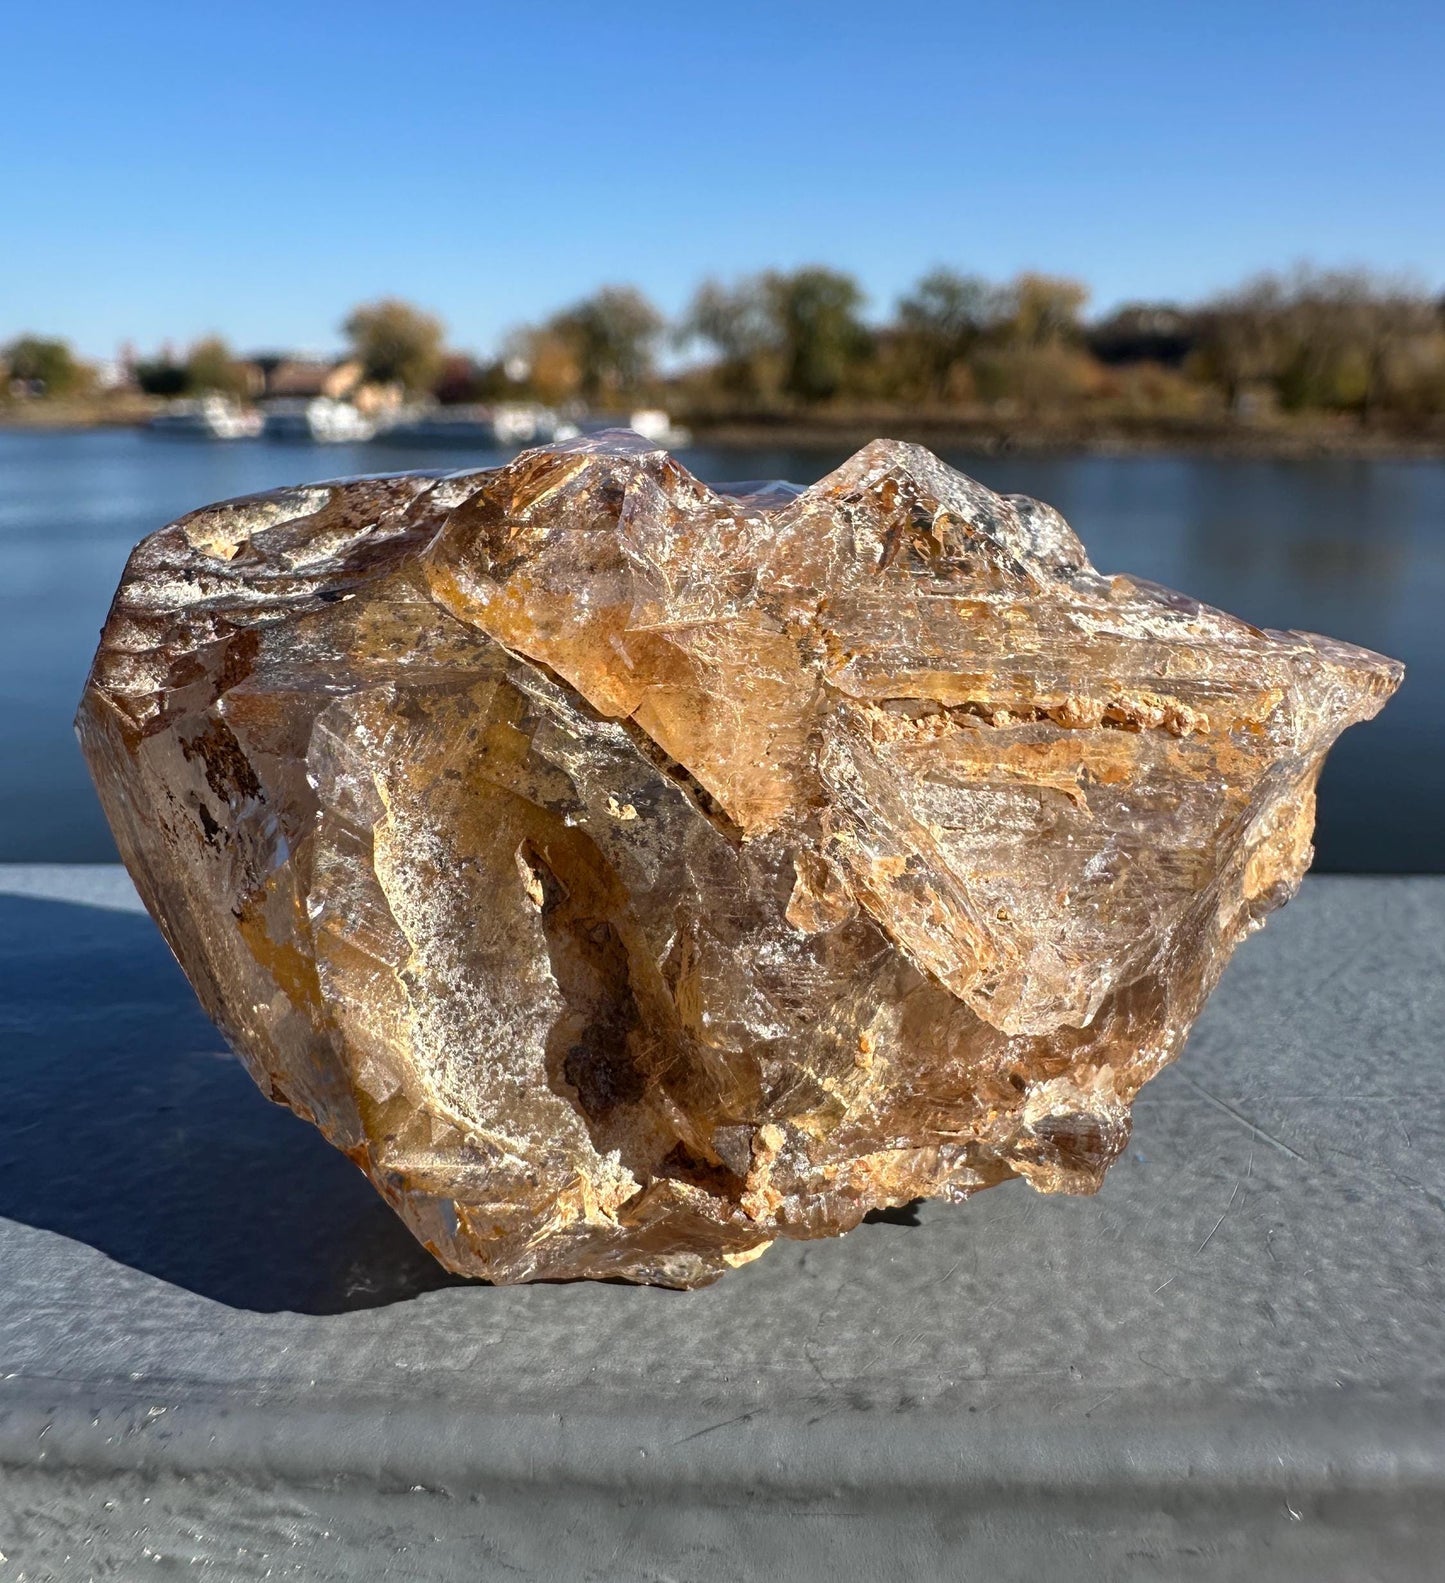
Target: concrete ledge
(216, 1344)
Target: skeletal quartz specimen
(626, 874)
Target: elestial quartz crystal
(627, 873)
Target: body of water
(1352, 548)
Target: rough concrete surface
(221, 1356)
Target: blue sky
(171, 170)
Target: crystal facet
(627, 873)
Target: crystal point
(626, 874)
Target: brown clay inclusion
(627, 874)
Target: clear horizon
(170, 174)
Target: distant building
(278, 374)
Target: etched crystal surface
(626, 874)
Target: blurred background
(1180, 271)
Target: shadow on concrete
(127, 1125)
(897, 1215)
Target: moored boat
(317, 420)
(207, 418)
(652, 423)
(505, 426)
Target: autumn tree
(47, 365)
(943, 319)
(1404, 349)
(545, 363)
(1242, 337)
(1344, 334)
(737, 322)
(1042, 310)
(612, 336)
(1033, 353)
(397, 344)
(211, 367)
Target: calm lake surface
(1352, 548)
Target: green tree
(397, 343)
(815, 317)
(210, 366)
(943, 319)
(737, 323)
(47, 364)
(613, 337)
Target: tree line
(1332, 341)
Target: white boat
(317, 420)
(506, 426)
(208, 418)
(528, 423)
(652, 423)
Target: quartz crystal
(627, 873)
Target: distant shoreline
(987, 435)
(996, 437)
(123, 413)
